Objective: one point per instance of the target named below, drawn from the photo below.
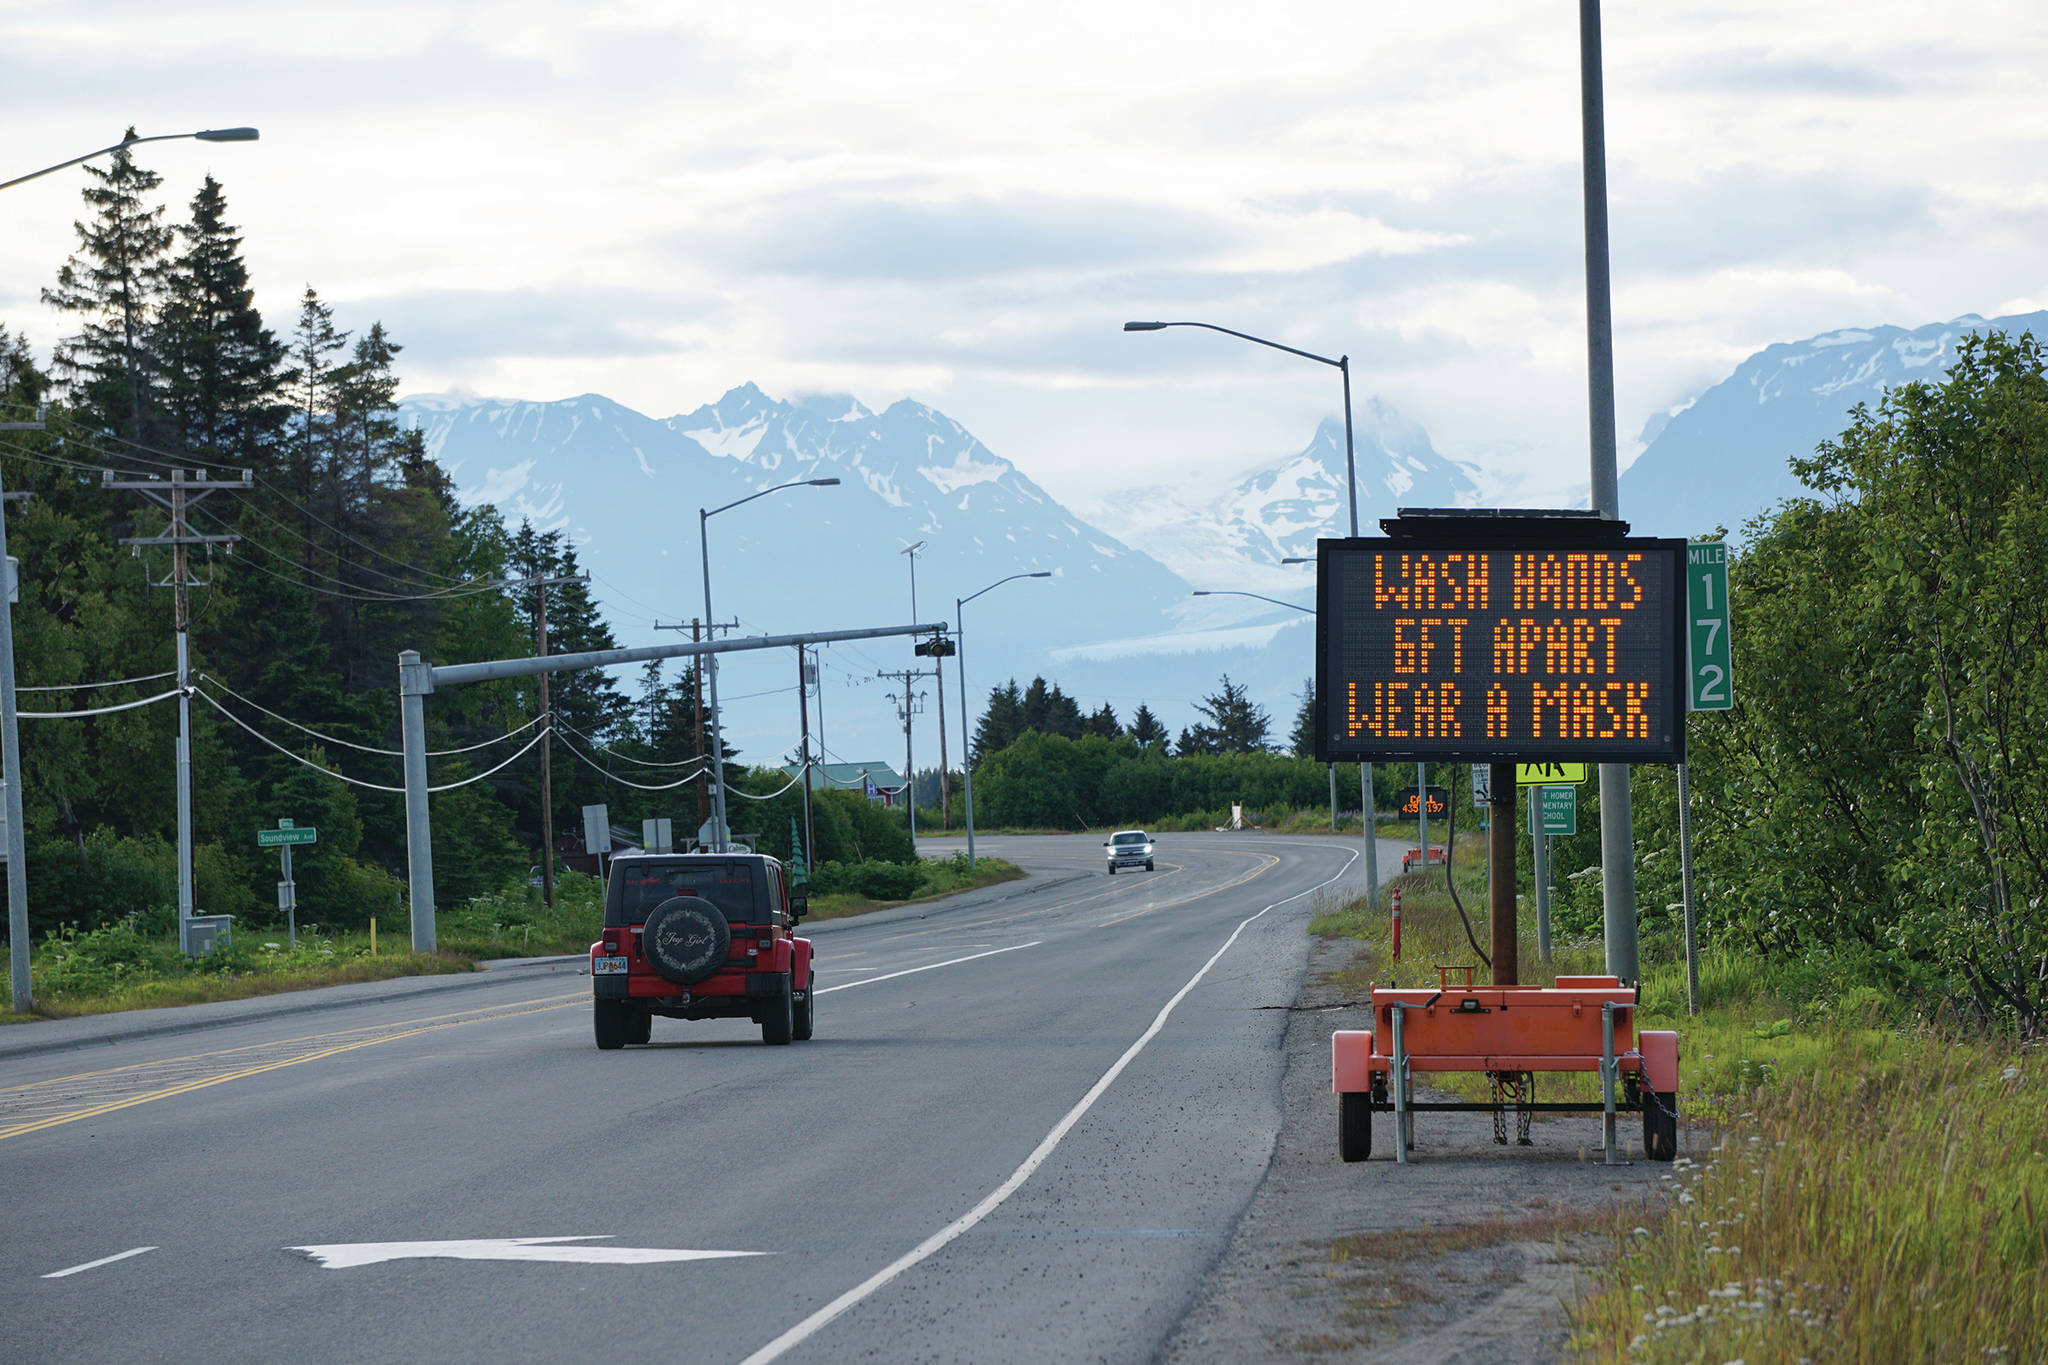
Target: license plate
(608, 966)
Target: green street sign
(1560, 810)
(1550, 774)
(272, 838)
(1710, 661)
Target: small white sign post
(282, 838)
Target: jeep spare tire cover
(686, 938)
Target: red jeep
(699, 936)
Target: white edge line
(934, 966)
(994, 1198)
(94, 1265)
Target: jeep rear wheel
(778, 1021)
(686, 939)
(800, 1011)
(609, 1021)
(643, 1026)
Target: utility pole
(1617, 824)
(10, 761)
(185, 487)
(698, 632)
(803, 711)
(909, 772)
(539, 584)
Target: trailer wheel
(1660, 1124)
(1354, 1125)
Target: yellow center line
(1271, 862)
(472, 1015)
(186, 1087)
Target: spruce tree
(313, 383)
(220, 363)
(115, 283)
(1303, 740)
(1146, 729)
(1104, 723)
(1001, 722)
(1231, 723)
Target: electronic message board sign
(1501, 644)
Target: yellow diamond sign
(1551, 774)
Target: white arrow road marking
(348, 1255)
(95, 1265)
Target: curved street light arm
(960, 602)
(204, 135)
(1233, 592)
(1242, 336)
(793, 483)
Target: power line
(366, 748)
(122, 682)
(356, 781)
(97, 710)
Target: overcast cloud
(961, 203)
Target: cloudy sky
(962, 202)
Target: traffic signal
(938, 647)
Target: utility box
(205, 933)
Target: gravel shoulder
(1471, 1252)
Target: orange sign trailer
(1583, 1023)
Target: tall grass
(1871, 1189)
(1876, 1197)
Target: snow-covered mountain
(1724, 457)
(1237, 538)
(626, 488)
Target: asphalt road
(1028, 1122)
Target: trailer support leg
(1607, 1069)
(1402, 1136)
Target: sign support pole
(1422, 810)
(1539, 859)
(291, 895)
(1692, 943)
(1500, 870)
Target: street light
(203, 135)
(10, 737)
(1233, 592)
(1343, 364)
(960, 657)
(720, 833)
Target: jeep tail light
(613, 943)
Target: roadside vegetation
(134, 962)
(1859, 1178)
(840, 890)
